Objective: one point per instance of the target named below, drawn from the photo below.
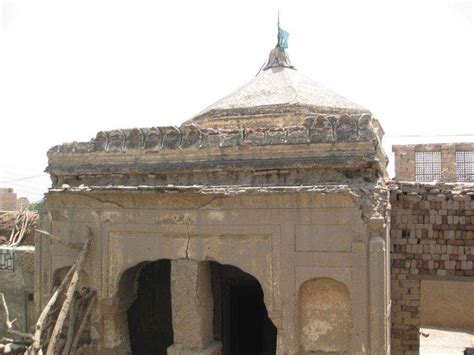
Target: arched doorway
(241, 319)
(149, 316)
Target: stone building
(432, 256)
(10, 202)
(21, 203)
(259, 226)
(448, 162)
(432, 241)
(8, 199)
(17, 284)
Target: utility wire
(20, 179)
(428, 135)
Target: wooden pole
(46, 310)
(71, 325)
(58, 239)
(67, 302)
(83, 322)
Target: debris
(50, 325)
(17, 227)
(425, 334)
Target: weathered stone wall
(432, 238)
(279, 237)
(405, 159)
(7, 200)
(16, 284)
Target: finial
(278, 28)
(278, 56)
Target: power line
(19, 173)
(20, 179)
(428, 135)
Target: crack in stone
(188, 242)
(101, 200)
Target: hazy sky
(69, 69)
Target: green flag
(282, 38)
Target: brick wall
(405, 159)
(432, 238)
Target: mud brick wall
(432, 238)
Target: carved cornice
(316, 129)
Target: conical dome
(278, 96)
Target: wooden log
(71, 325)
(83, 321)
(58, 239)
(67, 302)
(46, 310)
(21, 232)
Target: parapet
(323, 142)
(316, 129)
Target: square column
(379, 312)
(192, 309)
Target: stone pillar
(448, 162)
(378, 295)
(192, 309)
(114, 337)
(404, 162)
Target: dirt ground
(445, 341)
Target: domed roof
(278, 89)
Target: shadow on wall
(325, 316)
(149, 316)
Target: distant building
(447, 162)
(7, 199)
(21, 203)
(10, 202)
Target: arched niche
(325, 316)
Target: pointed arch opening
(149, 316)
(241, 319)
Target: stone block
(215, 348)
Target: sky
(69, 69)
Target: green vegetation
(35, 206)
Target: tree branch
(9, 323)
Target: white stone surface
(445, 341)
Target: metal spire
(278, 56)
(278, 28)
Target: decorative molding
(316, 129)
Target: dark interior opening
(149, 316)
(241, 320)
